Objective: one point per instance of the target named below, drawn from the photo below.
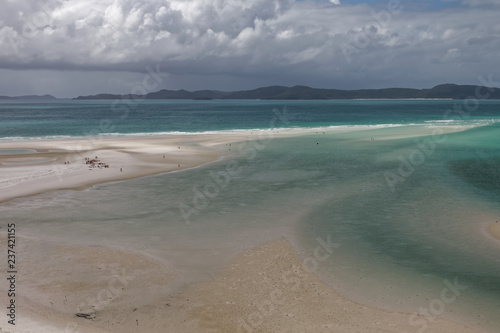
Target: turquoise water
(16, 151)
(83, 118)
(404, 206)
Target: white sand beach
(63, 164)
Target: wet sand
(265, 289)
(494, 230)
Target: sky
(69, 48)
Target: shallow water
(397, 248)
(17, 151)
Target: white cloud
(278, 41)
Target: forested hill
(444, 91)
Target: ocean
(68, 118)
(401, 203)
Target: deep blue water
(84, 118)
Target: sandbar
(63, 164)
(33, 167)
(494, 230)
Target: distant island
(28, 97)
(444, 91)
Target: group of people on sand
(95, 163)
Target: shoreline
(60, 165)
(251, 131)
(48, 165)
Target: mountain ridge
(28, 97)
(442, 91)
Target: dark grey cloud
(227, 44)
